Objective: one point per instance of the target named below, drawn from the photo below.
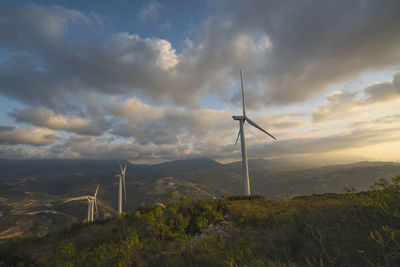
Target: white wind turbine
(121, 183)
(91, 206)
(242, 119)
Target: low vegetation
(349, 229)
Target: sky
(153, 81)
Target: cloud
(20, 153)
(58, 68)
(340, 105)
(385, 91)
(80, 79)
(97, 148)
(43, 117)
(360, 135)
(384, 121)
(218, 144)
(150, 124)
(154, 125)
(133, 108)
(32, 136)
(51, 24)
(379, 131)
(151, 12)
(316, 44)
(288, 51)
(343, 105)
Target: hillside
(33, 192)
(351, 229)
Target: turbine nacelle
(239, 118)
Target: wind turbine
(123, 171)
(121, 184)
(91, 205)
(242, 119)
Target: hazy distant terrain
(32, 192)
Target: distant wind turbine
(121, 184)
(91, 206)
(242, 119)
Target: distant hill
(32, 192)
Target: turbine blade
(258, 127)
(237, 138)
(241, 81)
(97, 189)
(120, 166)
(75, 198)
(124, 187)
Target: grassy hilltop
(350, 229)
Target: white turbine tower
(121, 184)
(242, 119)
